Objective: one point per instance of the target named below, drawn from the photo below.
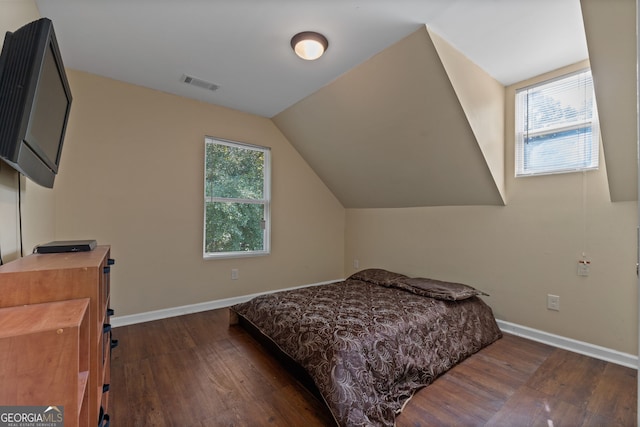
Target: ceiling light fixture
(309, 45)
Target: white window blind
(557, 126)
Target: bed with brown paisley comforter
(371, 341)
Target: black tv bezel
(21, 70)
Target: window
(236, 199)
(557, 126)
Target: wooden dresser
(44, 359)
(43, 278)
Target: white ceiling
(243, 45)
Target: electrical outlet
(553, 302)
(356, 263)
(234, 274)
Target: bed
(370, 342)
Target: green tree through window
(236, 192)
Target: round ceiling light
(309, 45)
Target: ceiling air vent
(199, 82)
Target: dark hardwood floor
(195, 370)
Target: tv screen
(35, 101)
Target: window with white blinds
(557, 126)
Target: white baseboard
(581, 347)
(591, 350)
(192, 308)
(148, 316)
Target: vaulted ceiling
(393, 132)
(407, 106)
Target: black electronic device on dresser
(66, 246)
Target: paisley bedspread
(368, 344)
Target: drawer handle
(110, 312)
(107, 270)
(106, 328)
(111, 261)
(114, 344)
(105, 388)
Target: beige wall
(132, 176)
(36, 202)
(521, 252)
(610, 29)
(482, 99)
(405, 128)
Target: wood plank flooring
(195, 370)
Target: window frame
(521, 134)
(265, 201)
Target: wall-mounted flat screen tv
(35, 101)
